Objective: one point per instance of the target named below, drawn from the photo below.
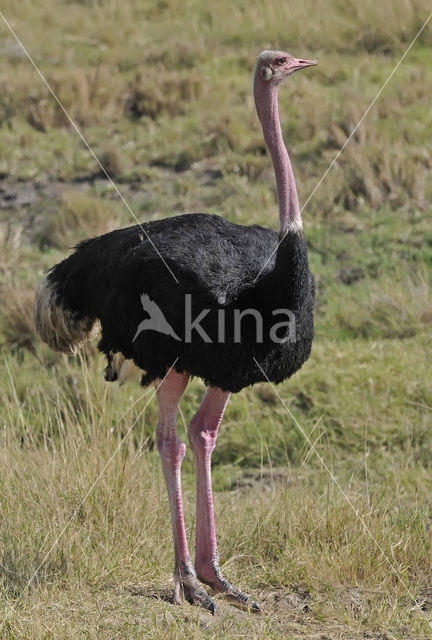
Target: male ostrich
(221, 269)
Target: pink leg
(202, 435)
(172, 452)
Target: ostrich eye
(281, 60)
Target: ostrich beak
(297, 63)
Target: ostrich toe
(187, 588)
(231, 594)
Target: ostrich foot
(214, 579)
(186, 587)
(236, 597)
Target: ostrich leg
(202, 435)
(172, 452)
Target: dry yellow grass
(101, 557)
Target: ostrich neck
(266, 101)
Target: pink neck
(266, 102)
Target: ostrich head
(275, 66)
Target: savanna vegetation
(323, 500)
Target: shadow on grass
(152, 592)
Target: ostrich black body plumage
(216, 263)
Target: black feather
(214, 261)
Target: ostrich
(212, 270)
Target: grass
(162, 94)
(297, 543)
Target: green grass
(161, 91)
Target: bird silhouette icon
(156, 322)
